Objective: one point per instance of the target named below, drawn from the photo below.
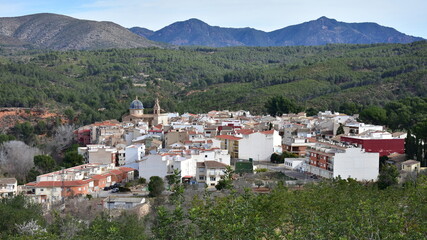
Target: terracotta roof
(126, 169)
(245, 131)
(116, 172)
(8, 180)
(98, 177)
(214, 164)
(268, 132)
(59, 183)
(229, 137)
(200, 164)
(156, 131)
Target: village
(200, 148)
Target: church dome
(136, 104)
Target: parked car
(107, 188)
(115, 190)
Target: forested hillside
(95, 85)
(339, 209)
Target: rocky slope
(60, 32)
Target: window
(202, 178)
(206, 156)
(41, 189)
(213, 178)
(201, 170)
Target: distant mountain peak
(324, 18)
(321, 31)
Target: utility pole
(63, 187)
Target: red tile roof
(245, 131)
(229, 137)
(126, 169)
(98, 177)
(268, 132)
(116, 172)
(59, 183)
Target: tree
(17, 159)
(226, 181)
(17, 211)
(45, 163)
(24, 131)
(62, 139)
(279, 105)
(275, 158)
(410, 145)
(420, 131)
(259, 183)
(142, 180)
(340, 129)
(156, 186)
(6, 138)
(32, 175)
(374, 114)
(174, 181)
(388, 176)
(72, 159)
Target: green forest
(97, 85)
(335, 209)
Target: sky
(407, 16)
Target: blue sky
(407, 16)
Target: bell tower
(156, 108)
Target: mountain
(60, 32)
(317, 32)
(196, 32)
(143, 32)
(325, 31)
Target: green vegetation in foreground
(339, 209)
(97, 85)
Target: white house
(8, 187)
(260, 145)
(134, 153)
(185, 161)
(210, 172)
(156, 165)
(330, 161)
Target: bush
(142, 180)
(156, 186)
(259, 170)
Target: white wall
(294, 163)
(259, 146)
(357, 164)
(153, 165)
(134, 153)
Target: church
(136, 114)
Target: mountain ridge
(315, 32)
(60, 32)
